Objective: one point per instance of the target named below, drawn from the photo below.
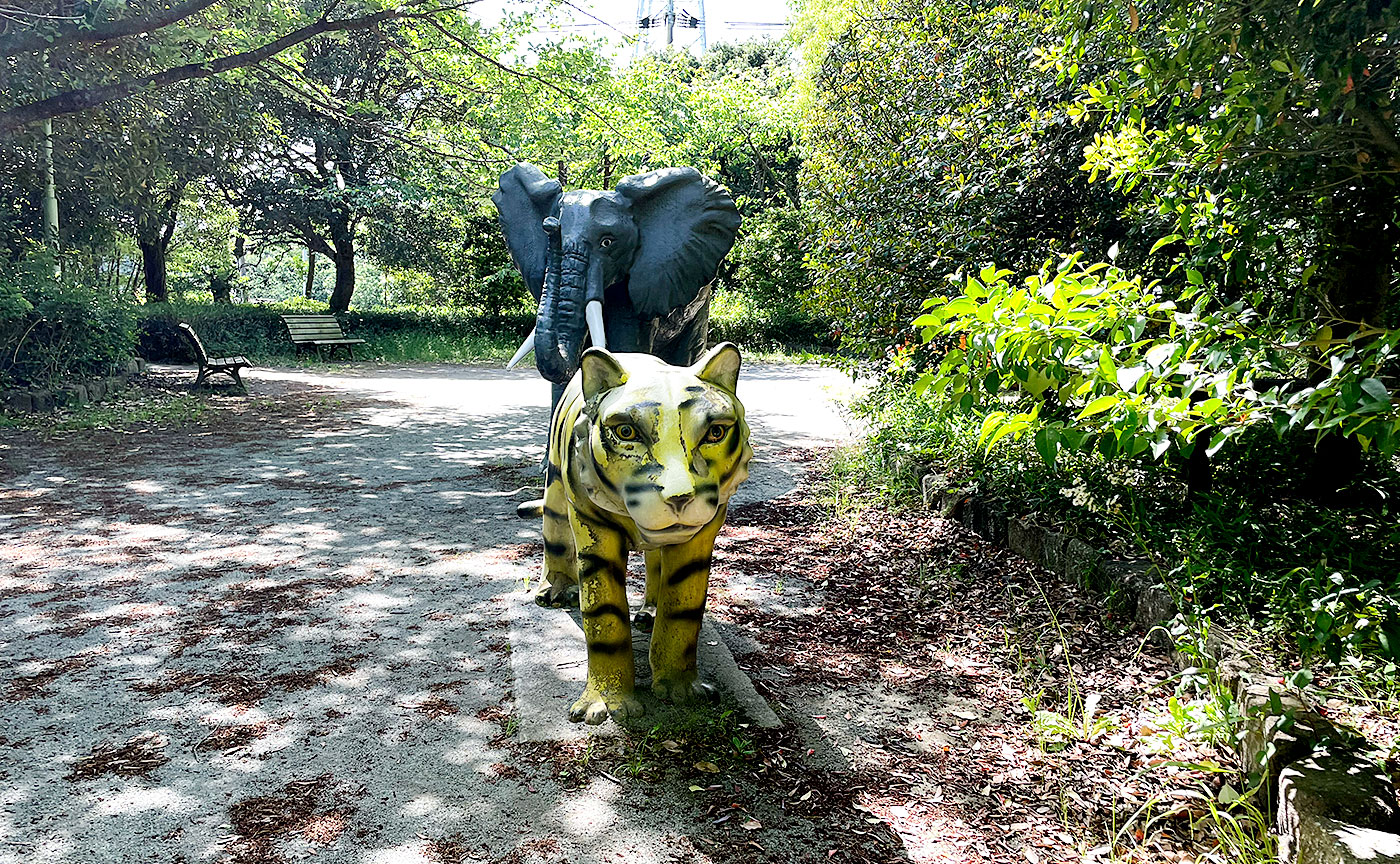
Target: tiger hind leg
(560, 589)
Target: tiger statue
(642, 455)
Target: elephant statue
(628, 269)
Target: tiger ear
(601, 372)
(720, 366)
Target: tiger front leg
(683, 583)
(602, 581)
(560, 588)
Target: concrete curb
(14, 402)
(1333, 805)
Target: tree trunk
(153, 267)
(1359, 255)
(344, 259)
(310, 273)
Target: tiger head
(666, 445)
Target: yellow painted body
(642, 455)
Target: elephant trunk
(561, 324)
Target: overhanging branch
(71, 33)
(80, 100)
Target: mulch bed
(934, 613)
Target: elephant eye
(716, 433)
(605, 242)
(625, 432)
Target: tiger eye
(625, 432)
(716, 433)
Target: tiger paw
(557, 596)
(594, 707)
(683, 689)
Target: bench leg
(199, 379)
(236, 378)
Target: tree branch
(37, 40)
(78, 100)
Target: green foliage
(1098, 358)
(1261, 135)
(935, 143)
(1324, 579)
(53, 331)
(398, 334)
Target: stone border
(91, 390)
(1333, 805)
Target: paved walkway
(284, 633)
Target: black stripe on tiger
(729, 475)
(687, 570)
(732, 445)
(692, 615)
(609, 648)
(695, 388)
(558, 550)
(591, 563)
(602, 478)
(552, 474)
(605, 609)
(555, 514)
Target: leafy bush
(1324, 579)
(1099, 358)
(258, 331)
(52, 330)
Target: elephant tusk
(525, 348)
(594, 313)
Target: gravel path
(281, 633)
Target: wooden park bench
(319, 331)
(209, 365)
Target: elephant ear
(686, 223)
(525, 199)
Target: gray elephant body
(646, 252)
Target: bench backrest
(199, 353)
(306, 328)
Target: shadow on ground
(282, 633)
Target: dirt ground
(279, 634)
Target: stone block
(73, 395)
(1337, 808)
(133, 366)
(115, 385)
(1025, 540)
(42, 400)
(1052, 555)
(993, 526)
(1279, 727)
(932, 487)
(97, 389)
(1081, 563)
(140, 365)
(16, 402)
(1154, 606)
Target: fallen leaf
(752, 825)
(709, 767)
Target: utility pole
(50, 187)
(670, 21)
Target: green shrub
(397, 334)
(52, 330)
(1324, 578)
